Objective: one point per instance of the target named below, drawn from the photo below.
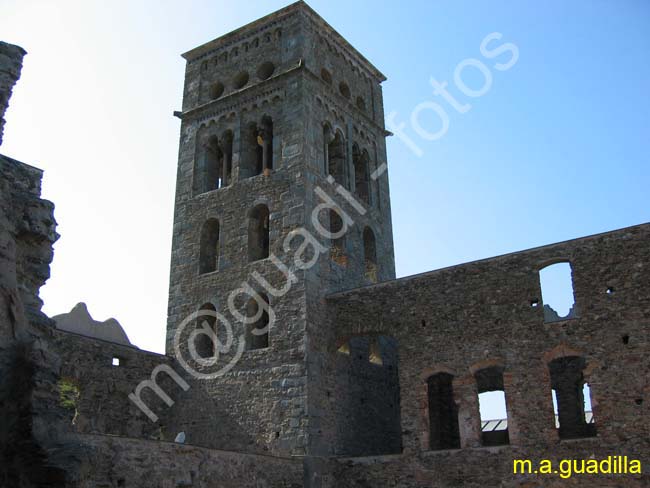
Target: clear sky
(557, 148)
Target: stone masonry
(329, 371)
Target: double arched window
(213, 167)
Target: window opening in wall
(375, 353)
(337, 245)
(258, 233)
(336, 157)
(571, 398)
(209, 247)
(444, 432)
(216, 90)
(257, 333)
(265, 71)
(213, 164)
(116, 361)
(344, 89)
(371, 269)
(492, 406)
(326, 76)
(361, 162)
(257, 148)
(240, 80)
(203, 344)
(557, 292)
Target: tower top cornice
(275, 18)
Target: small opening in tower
(370, 255)
(216, 90)
(240, 80)
(257, 333)
(116, 361)
(326, 76)
(258, 233)
(265, 71)
(344, 89)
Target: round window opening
(265, 70)
(216, 91)
(240, 80)
(326, 76)
(344, 89)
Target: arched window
(209, 247)
(257, 148)
(444, 432)
(265, 141)
(226, 167)
(492, 406)
(360, 161)
(370, 255)
(213, 164)
(336, 157)
(205, 347)
(257, 333)
(213, 159)
(258, 233)
(568, 385)
(557, 292)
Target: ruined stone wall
(31, 423)
(99, 402)
(11, 62)
(366, 399)
(135, 463)
(467, 317)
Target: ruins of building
(361, 379)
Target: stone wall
(462, 319)
(366, 399)
(101, 375)
(134, 463)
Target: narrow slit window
(258, 233)
(371, 269)
(203, 343)
(209, 247)
(257, 333)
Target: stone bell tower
(279, 117)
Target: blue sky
(556, 149)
